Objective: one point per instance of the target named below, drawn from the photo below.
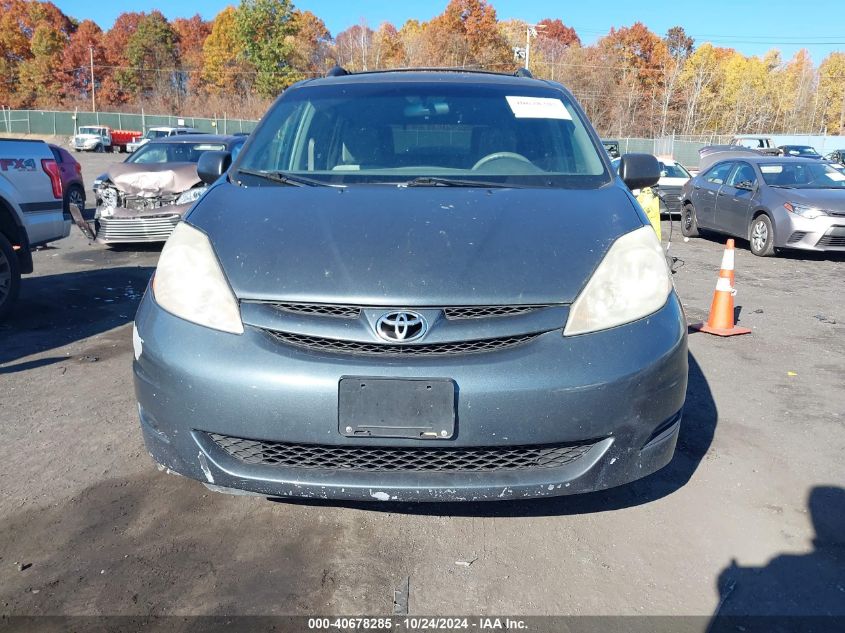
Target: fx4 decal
(19, 164)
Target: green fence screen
(56, 123)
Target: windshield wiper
(429, 181)
(283, 178)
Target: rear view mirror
(213, 164)
(639, 170)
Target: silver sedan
(772, 202)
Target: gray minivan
(417, 286)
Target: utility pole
(530, 31)
(93, 98)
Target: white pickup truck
(31, 210)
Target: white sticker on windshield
(835, 176)
(538, 108)
(771, 169)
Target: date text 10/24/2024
(417, 624)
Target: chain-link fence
(57, 123)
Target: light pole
(530, 31)
(93, 98)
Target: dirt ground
(748, 517)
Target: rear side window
(57, 155)
(744, 173)
(718, 173)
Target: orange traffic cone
(721, 319)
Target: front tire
(762, 236)
(99, 149)
(10, 276)
(689, 224)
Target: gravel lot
(753, 494)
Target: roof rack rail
(337, 71)
(523, 72)
(428, 69)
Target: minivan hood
(411, 247)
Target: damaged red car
(143, 198)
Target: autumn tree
(32, 38)
(310, 43)
(117, 78)
(832, 92)
(191, 34)
(466, 34)
(224, 66)
(152, 55)
(354, 47)
(411, 36)
(74, 71)
(264, 28)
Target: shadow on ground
(792, 591)
(54, 310)
(154, 544)
(696, 435)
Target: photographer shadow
(792, 591)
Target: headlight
(191, 195)
(190, 283)
(108, 197)
(804, 210)
(631, 282)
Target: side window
(57, 155)
(743, 174)
(718, 173)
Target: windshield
(802, 175)
(90, 130)
(673, 170)
(398, 132)
(172, 152)
(800, 150)
(151, 134)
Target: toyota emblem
(401, 327)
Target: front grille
(148, 229)
(320, 309)
(452, 312)
(388, 349)
(796, 236)
(481, 312)
(380, 458)
(832, 241)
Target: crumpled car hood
(152, 180)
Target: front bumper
(826, 233)
(124, 226)
(619, 392)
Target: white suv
(158, 132)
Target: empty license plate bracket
(410, 408)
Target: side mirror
(212, 165)
(745, 185)
(639, 171)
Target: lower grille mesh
(835, 241)
(379, 458)
(388, 349)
